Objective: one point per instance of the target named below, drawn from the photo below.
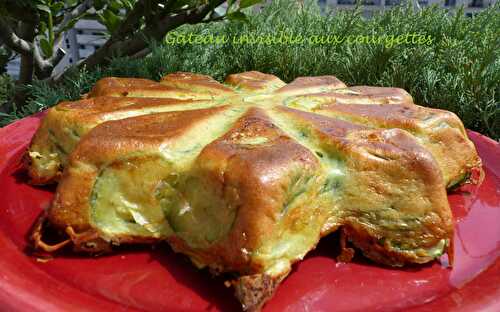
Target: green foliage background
(459, 72)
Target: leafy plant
(35, 29)
(459, 71)
(5, 57)
(6, 90)
(110, 14)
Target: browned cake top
(246, 176)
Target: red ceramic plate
(141, 278)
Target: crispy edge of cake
(70, 208)
(396, 155)
(303, 85)
(254, 81)
(65, 124)
(139, 87)
(199, 83)
(441, 132)
(353, 95)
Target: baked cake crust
(247, 180)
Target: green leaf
(46, 47)
(128, 4)
(110, 20)
(115, 6)
(99, 4)
(237, 16)
(57, 7)
(71, 3)
(248, 3)
(230, 4)
(42, 27)
(44, 8)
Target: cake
(245, 177)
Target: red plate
(141, 278)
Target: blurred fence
(79, 43)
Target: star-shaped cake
(244, 177)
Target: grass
(459, 71)
(6, 88)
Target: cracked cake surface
(245, 177)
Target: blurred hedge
(460, 71)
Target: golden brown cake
(248, 181)
(136, 87)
